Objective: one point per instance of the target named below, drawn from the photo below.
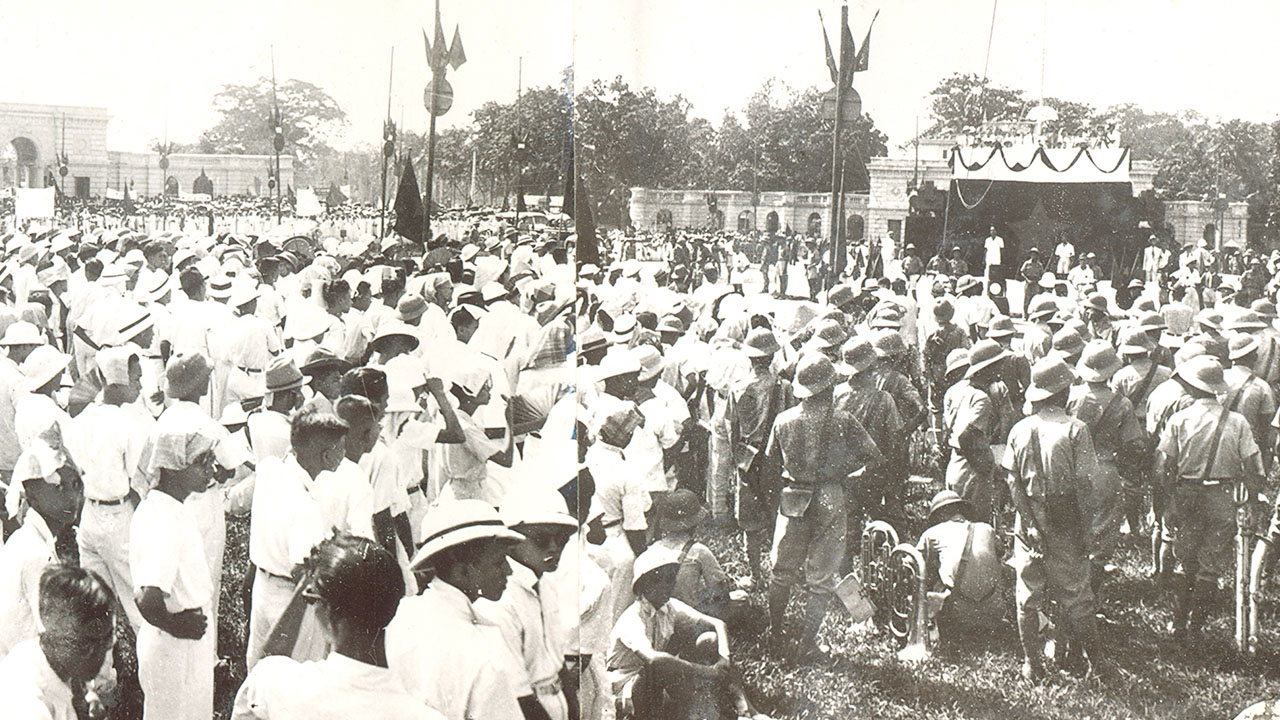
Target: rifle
(1244, 619)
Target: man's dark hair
(333, 290)
(367, 382)
(307, 425)
(79, 594)
(357, 579)
(191, 280)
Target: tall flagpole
(278, 139)
(436, 74)
(519, 140)
(835, 145)
(388, 147)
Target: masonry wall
(81, 132)
(803, 213)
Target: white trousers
(271, 596)
(211, 520)
(103, 537)
(176, 675)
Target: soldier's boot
(1184, 590)
(1033, 666)
(815, 611)
(1134, 514)
(1201, 594)
(779, 595)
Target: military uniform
(1051, 460)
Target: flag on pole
(439, 48)
(826, 44)
(129, 207)
(335, 197)
(848, 55)
(864, 52)
(584, 225)
(410, 217)
(570, 177)
(457, 55)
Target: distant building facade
(32, 137)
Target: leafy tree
(960, 105)
(310, 117)
(631, 138)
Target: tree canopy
(310, 117)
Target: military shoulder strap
(1215, 442)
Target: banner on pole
(33, 203)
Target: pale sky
(151, 60)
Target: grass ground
(862, 678)
(1158, 678)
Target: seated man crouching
(668, 660)
(963, 573)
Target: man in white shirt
(107, 440)
(1065, 252)
(174, 592)
(40, 677)
(54, 494)
(527, 612)
(447, 655)
(286, 522)
(994, 245)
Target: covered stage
(1038, 197)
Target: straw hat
(411, 307)
(455, 522)
(42, 365)
(533, 504)
(282, 374)
(22, 333)
(650, 361)
(321, 359)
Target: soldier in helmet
(1209, 463)
(1050, 461)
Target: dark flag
(410, 217)
(566, 206)
(457, 55)
(290, 197)
(848, 55)
(584, 225)
(129, 208)
(335, 196)
(864, 53)
(826, 44)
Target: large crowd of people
(481, 481)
